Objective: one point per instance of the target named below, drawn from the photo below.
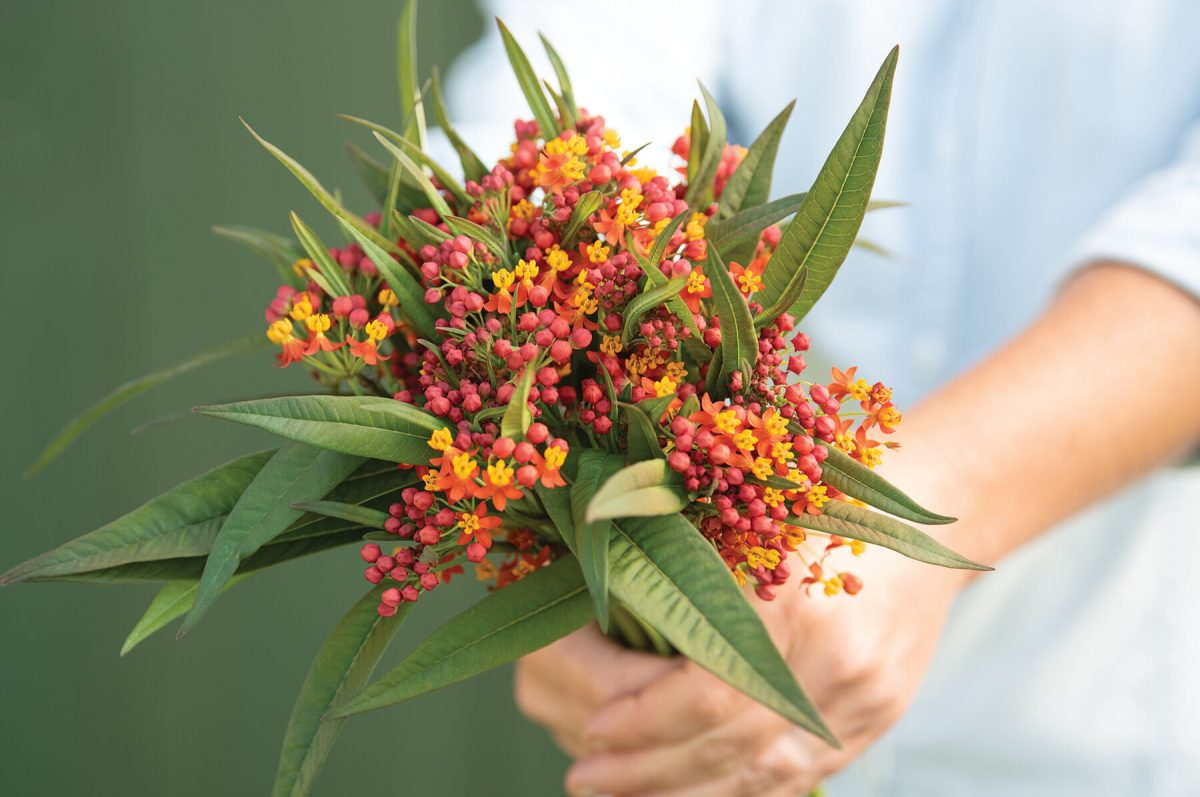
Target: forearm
(1100, 390)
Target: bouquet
(577, 377)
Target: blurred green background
(119, 147)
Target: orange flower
(748, 278)
(477, 524)
(366, 350)
(698, 287)
(498, 485)
(318, 325)
(281, 332)
(549, 466)
(457, 475)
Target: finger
(697, 760)
(680, 705)
(778, 771)
(571, 745)
(591, 665)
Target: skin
(1116, 344)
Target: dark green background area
(119, 147)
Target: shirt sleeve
(634, 64)
(1156, 227)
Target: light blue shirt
(1030, 137)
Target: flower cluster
(541, 279)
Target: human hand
(641, 725)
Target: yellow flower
(430, 481)
(833, 585)
(597, 252)
(665, 387)
(376, 330)
(388, 298)
(557, 259)
(750, 282)
(464, 465)
(526, 271)
(280, 332)
(871, 457)
(468, 522)
(762, 557)
(318, 323)
(782, 452)
(611, 139)
(860, 390)
(441, 439)
(762, 467)
(844, 442)
(301, 308)
(555, 457)
(695, 226)
(727, 421)
(774, 423)
(610, 344)
(817, 496)
(857, 547)
(523, 210)
(503, 279)
(772, 497)
(745, 440)
(695, 282)
(500, 473)
(300, 267)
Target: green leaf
(857, 523)
(745, 226)
(408, 290)
(591, 540)
(531, 86)
(295, 473)
(406, 74)
(587, 205)
(410, 167)
(643, 489)
(327, 200)
(342, 668)
(363, 516)
(738, 339)
(699, 189)
(646, 301)
(366, 426)
(697, 140)
(329, 274)
(131, 390)
(847, 475)
(655, 276)
(181, 522)
(674, 580)
(546, 605)
(643, 436)
(473, 168)
(564, 81)
(663, 240)
(282, 252)
(818, 239)
(173, 601)
(750, 183)
(517, 417)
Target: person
(1040, 319)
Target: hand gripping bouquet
(575, 376)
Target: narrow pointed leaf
(564, 81)
(181, 522)
(646, 301)
(697, 141)
(173, 601)
(373, 173)
(294, 473)
(745, 226)
(332, 280)
(643, 437)
(342, 667)
(327, 200)
(509, 623)
(517, 417)
(587, 205)
(643, 489)
(131, 390)
(477, 232)
(857, 523)
(674, 580)
(847, 475)
(473, 168)
(366, 426)
(591, 540)
(363, 516)
(281, 251)
(408, 290)
(406, 71)
(818, 239)
(699, 189)
(530, 85)
(739, 342)
(750, 184)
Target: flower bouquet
(576, 376)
